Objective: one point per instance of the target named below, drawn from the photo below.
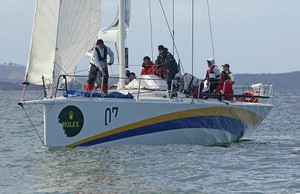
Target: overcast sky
(253, 36)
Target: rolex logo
(71, 120)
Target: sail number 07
(109, 113)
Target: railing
(259, 93)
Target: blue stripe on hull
(231, 125)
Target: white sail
(63, 31)
(110, 33)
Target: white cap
(211, 60)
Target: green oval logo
(72, 120)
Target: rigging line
(165, 16)
(37, 82)
(89, 30)
(193, 37)
(46, 111)
(211, 32)
(111, 69)
(67, 74)
(173, 38)
(33, 125)
(84, 70)
(74, 76)
(151, 29)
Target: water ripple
(265, 161)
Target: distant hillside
(12, 75)
(11, 72)
(281, 81)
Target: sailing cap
(161, 47)
(146, 58)
(100, 41)
(127, 73)
(226, 65)
(210, 60)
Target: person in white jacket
(99, 65)
(189, 84)
(212, 76)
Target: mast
(121, 41)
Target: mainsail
(110, 33)
(63, 31)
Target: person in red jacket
(225, 87)
(148, 66)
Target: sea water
(265, 161)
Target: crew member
(148, 66)
(165, 59)
(229, 73)
(212, 75)
(98, 64)
(189, 85)
(225, 87)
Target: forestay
(63, 31)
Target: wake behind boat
(142, 112)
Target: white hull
(81, 121)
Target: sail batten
(63, 31)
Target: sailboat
(64, 30)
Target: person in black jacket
(166, 59)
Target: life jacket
(191, 86)
(190, 83)
(249, 97)
(210, 74)
(99, 55)
(211, 69)
(148, 70)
